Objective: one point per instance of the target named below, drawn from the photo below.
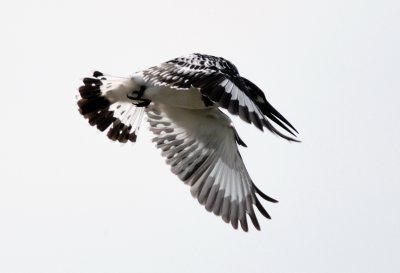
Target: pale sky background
(73, 201)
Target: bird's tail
(104, 103)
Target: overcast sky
(73, 201)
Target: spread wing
(200, 146)
(219, 81)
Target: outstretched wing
(219, 80)
(200, 146)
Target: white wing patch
(200, 146)
(215, 78)
(241, 97)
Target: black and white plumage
(181, 99)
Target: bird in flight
(182, 99)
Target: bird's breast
(184, 98)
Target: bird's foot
(141, 103)
(136, 97)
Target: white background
(73, 201)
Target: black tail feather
(100, 112)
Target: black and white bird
(181, 99)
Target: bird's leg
(142, 103)
(136, 97)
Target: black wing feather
(211, 75)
